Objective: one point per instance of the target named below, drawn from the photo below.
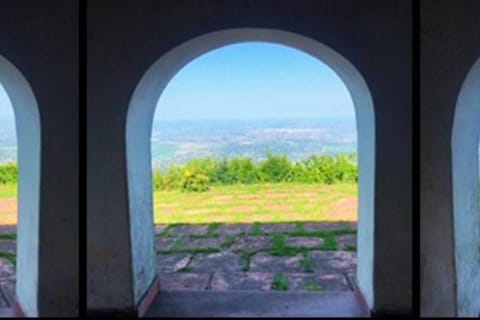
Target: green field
(8, 191)
(277, 202)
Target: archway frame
(138, 134)
(27, 124)
(465, 176)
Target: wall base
(17, 310)
(137, 312)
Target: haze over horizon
(254, 80)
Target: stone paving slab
(263, 262)
(316, 226)
(186, 230)
(307, 242)
(225, 261)
(164, 243)
(184, 281)
(186, 242)
(334, 261)
(7, 269)
(8, 292)
(8, 246)
(346, 240)
(224, 281)
(233, 229)
(8, 229)
(324, 281)
(168, 262)
(159, 228)
(277, 227)
(251, 243)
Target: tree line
(199, 174)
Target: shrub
(8, 173)
(193, 179)
(198, 174)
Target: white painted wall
(466, 216)
(28, 140)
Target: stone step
(255, 304)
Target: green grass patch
(9, 256)
(312, 286)
(280, 249)
(280, 282)
(8, 236)
(212, 230)
(299, 227)
(350, 247)
(256, 229)
(329, 243)
(8, 191)
(247, 257)
(307, 263)
(227, 243)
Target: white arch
(466, 218)
(139, 126)
(27, 122)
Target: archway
(465, 173)
(27, 121)
(138, 133)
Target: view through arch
(254, 152)
(139, 124)
(17, 95)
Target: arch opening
(139, 126)
(465, 180)
(27, 127)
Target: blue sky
(254, 80)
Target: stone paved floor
(7, 268)
(230, 257)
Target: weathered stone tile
(346, 240)
(183, 281)
(263, 262)
(307, 242)
(260, 281)
(333, 261)
(324, 281)
(225, 261)
(316, 226)
(201, 243)
(252, 243)
(167, 262)
(8, 229)
(8, 246)
(233, 229)
(164, 242)
(186, 230)
(7, 269)
(8, 290)
(277, 227)
(160, 227)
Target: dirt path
(8, 211)
(344, 209)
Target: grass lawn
(279, 202)
(8, 191)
